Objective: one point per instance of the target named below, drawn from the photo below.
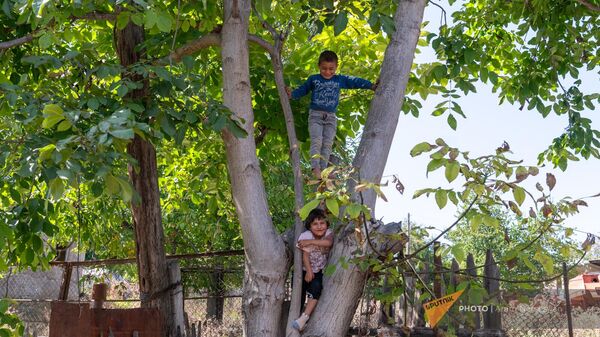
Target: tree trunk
(265, 271)
(149, 237)
(343, 289)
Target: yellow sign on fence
(436, 309)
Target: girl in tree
(315, 244)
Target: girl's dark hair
(315, 214)
(328, 56)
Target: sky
(487, 126)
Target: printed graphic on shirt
(326, 94)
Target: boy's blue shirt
(325, 94)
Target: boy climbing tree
(322, 121)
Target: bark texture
(266, 258)
(149, 236)
(343, 289)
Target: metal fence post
(567, 299)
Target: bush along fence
(207, 293)
(487, 307)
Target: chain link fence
(213, 304)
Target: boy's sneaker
(300, 322)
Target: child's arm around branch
(306, 263)
(325, 242)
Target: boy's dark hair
(328, 56)
(315, 214)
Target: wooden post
(454, 282)
(473, 273)
(215, 303)
(99, 291)
(453, 274)
(567, 299)
(66, 282)
(492, 319)
(176, 295)
(437, 267)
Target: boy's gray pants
(322, 126)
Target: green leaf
(353, 211)
(435, 164)
(126, 190)
(458, 252)
(122, 133)
(137, 18)
(452, 170)
(122, 90)
(439, 72)
(46, 151)
(441, 198)
(420, 148)
(469, 55)
(332, 206)
(51, 120)
(308, 207)
(52, 115)
(236, 129)
(519, 194)
(64, 125)
(38, 7)
(419, 193)
(263, 7)
(150, 19)
(476, 220)
(340, 23)
(46, 40)
(56, 188)
(329, 270)
(123, 19)
(112, 184)
(546, 261)
(490, 221)
(164, 22)
(452, 121)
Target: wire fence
(213, 304)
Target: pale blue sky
(486, 127)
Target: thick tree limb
(266, 260)
(589, 5)
(209, 40)
(344, 287)
(16, 42)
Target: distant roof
(596, 262)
